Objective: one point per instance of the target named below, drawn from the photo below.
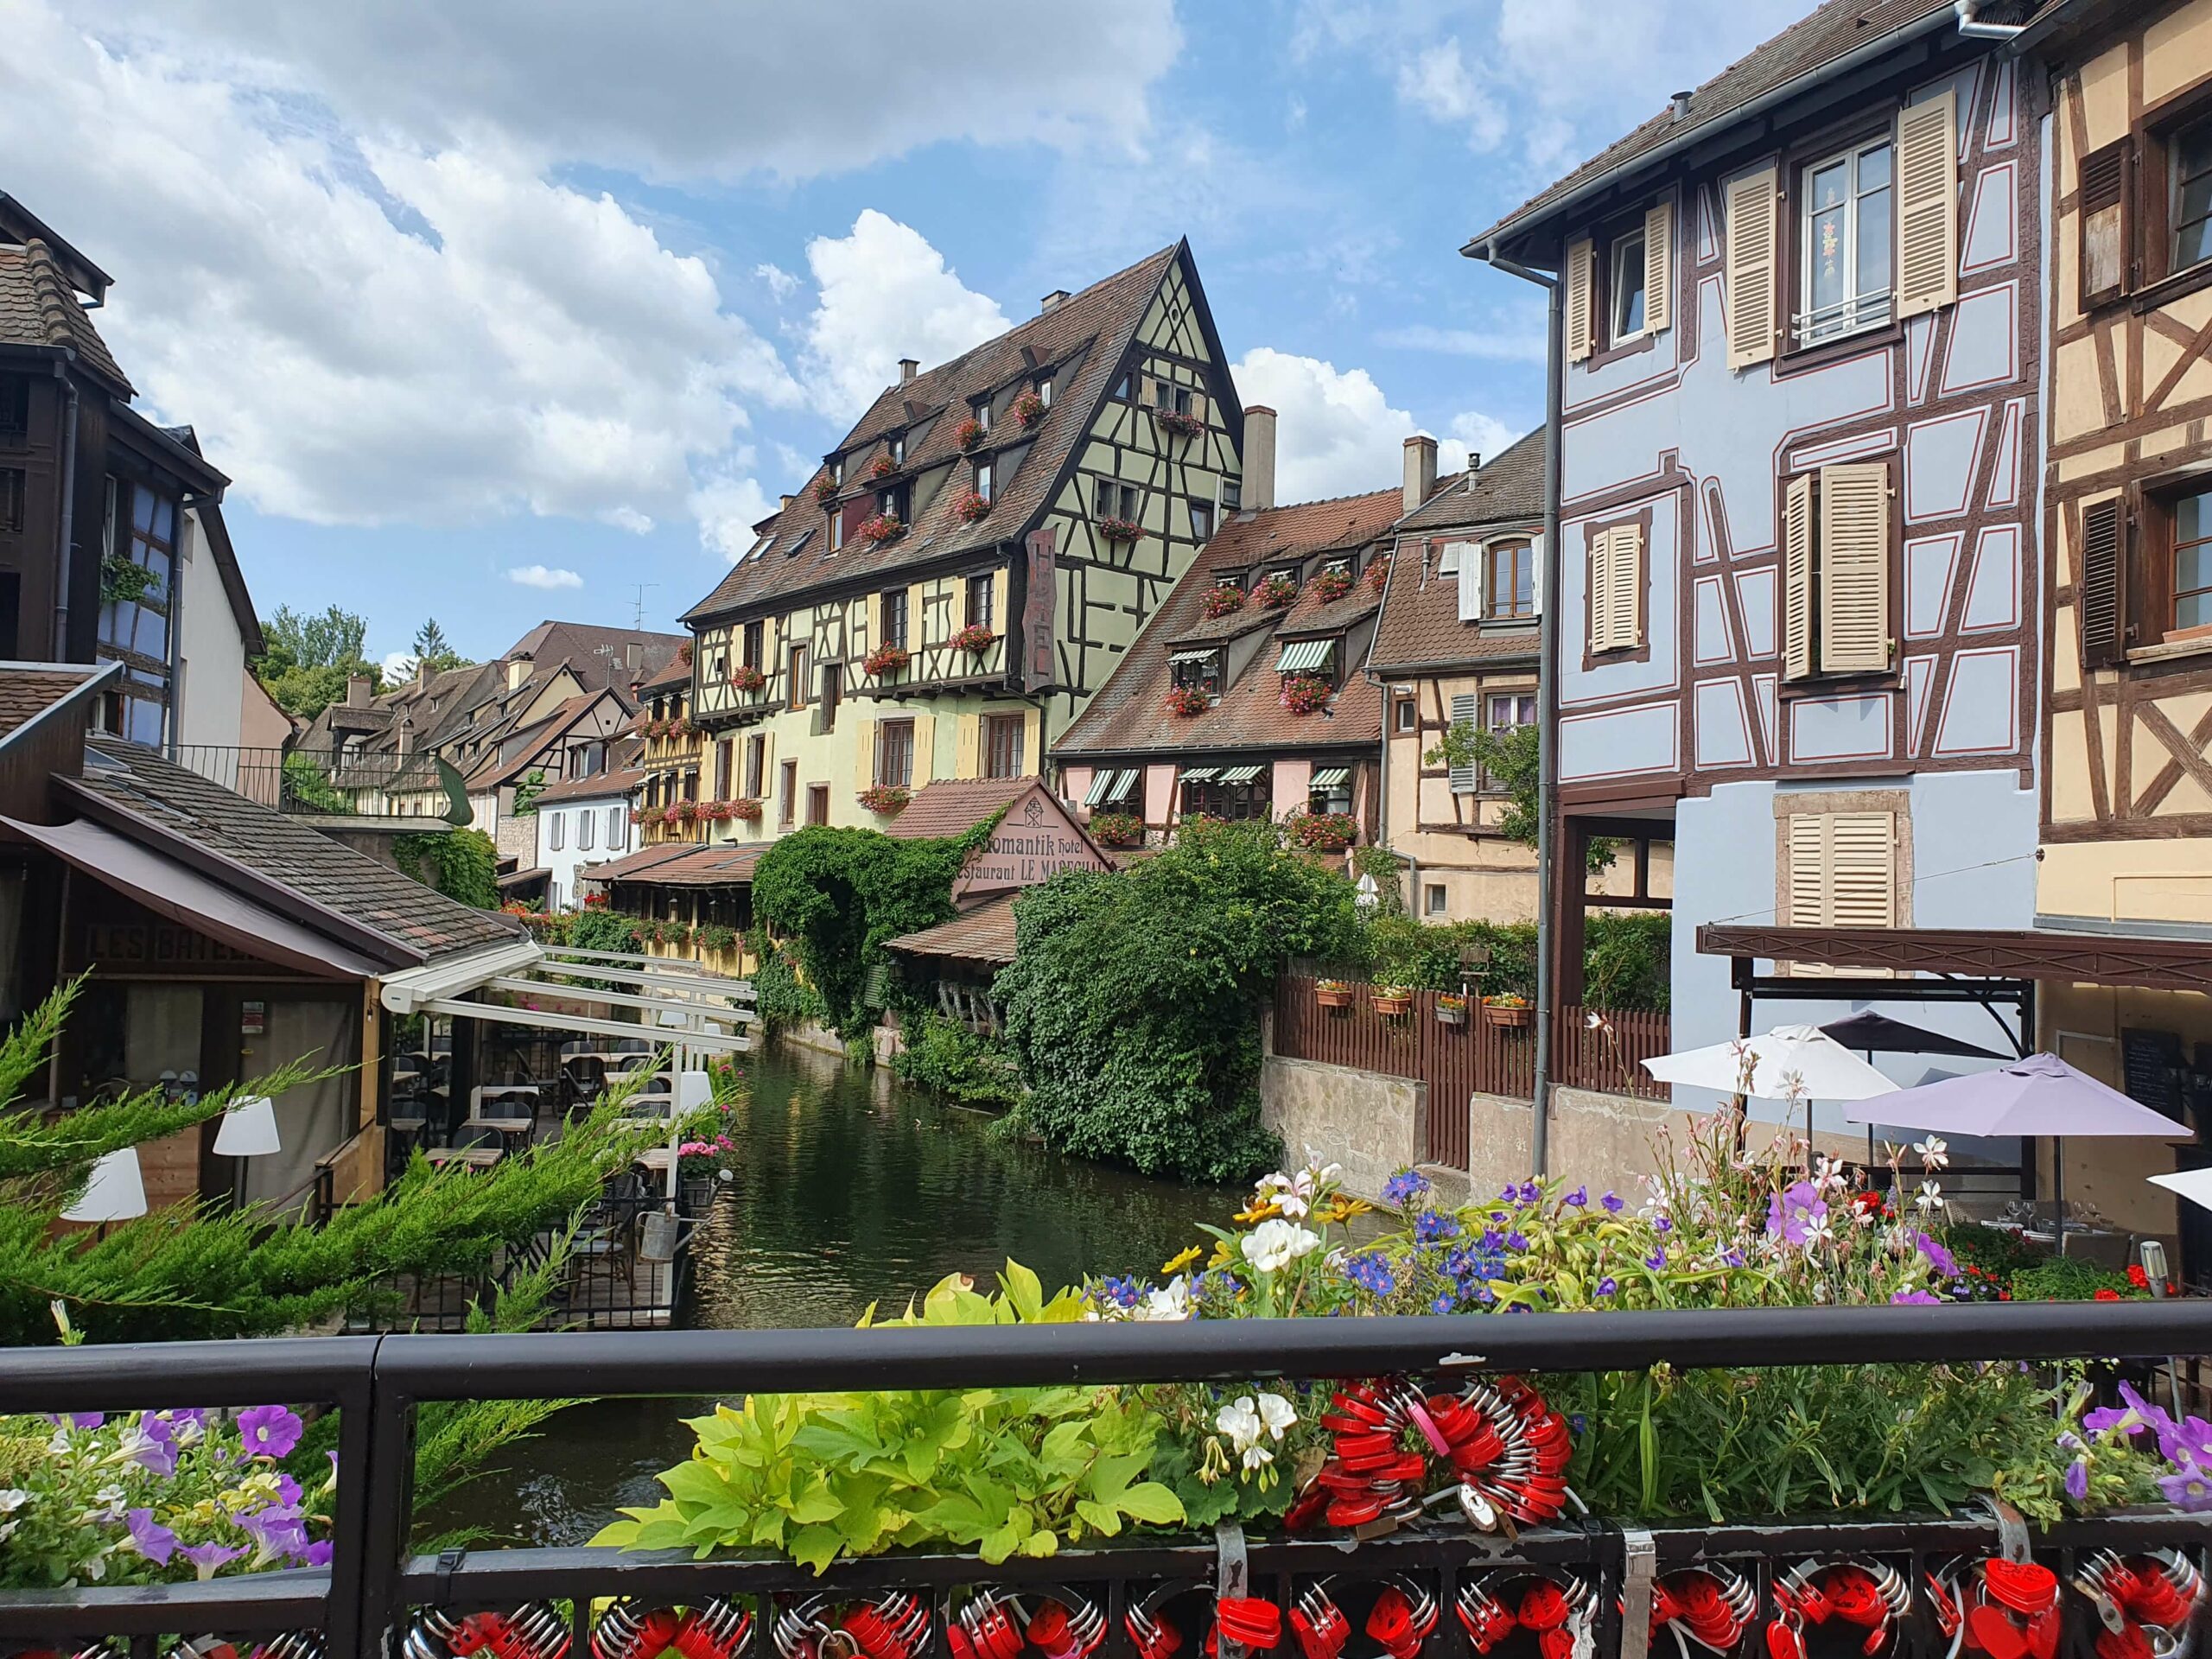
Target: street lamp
(249, 1130)
(117, 1191)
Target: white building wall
(612, 835)
(210, 652)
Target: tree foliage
(308, 659)
(1135, 999)
(1625, 961)
(1513, 760)
(434, 652)
(462, 864)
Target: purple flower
(288, 1490)
(1614, 1204)
(1662, 1225)
(1916, 1297)
(317, 1554)
(1657, 1259)
(2188, 1489)
(1404, 1187)
(1122, 1292)
(1578, 1423)
(2188, 1441)
(276, 1531)
(1371, 1272)
(152, 1445)
(1579, 1196)
(1492, 1240)
(2133, 1417)
(1792, 1212)
(1530, 1192)
(268, 1431)
(207, 1559)
(1442, 1304)
(2077, 1480)
(1507, 1193)
(1516, 1241)
(1607, 1286)
(1938, 1257)
(149, 1537)
(77, 1419)
(1432, 1227)
(1731, 1257)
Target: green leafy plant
(948, 1058)
(2073, 1278)
(125, 582)
(1511, 758)
(1117, 828)
(528, 790)
(462, 864)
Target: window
(1239, 793)
(1617, 587)
(1840, 869)
(1433, 901)
(983, 479)
(981, 591)
(891, 503)
(1197, 670)
(13, 480)
(1201, 521)
(2192, 562)
(618, 829)
(833, 691)
(1510, 594)
(723, 756)
(584, 830)
(891, 616)
(756, 766)
(1448, 558)
(2191, 197)
(981, 410)
(1509, 709)
(1845, 257)
(1045, 390)
(836, 464)
(1111, 498)
(2146, 570)
(149, 541)
(836, 529)
(1330, 790)
(898, 448)
(1002, 746)
(2145, 208)
(817, 804)
(895, 754)
(797, 687)
(556, 830)
(1627, 287)
(1620, 283)
(14, 411)
(1404, 714)
(1835, 571)
(753, 637)
(790, 795)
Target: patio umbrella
(1786, 1061)
(2039, 1095)
(2194, 1184)
(1871, 1033)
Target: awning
(1101, 788)
(1200, 774)
(184, 895)
(1176, 660)
(1240, 775)
(1124, 784)
(1303, 656)
(677, 1001)
(1331, 778)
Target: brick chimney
(1421, 470)
(908, 368)
(357, 689)
(1051, 300)
(1259, 494)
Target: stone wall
(1371, 1124)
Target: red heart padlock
(1989, 1630)
(1784, 1639)
(2028, 1587)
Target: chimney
(787, 501)
(357, 691)
(1051, 300)
(1421, 470)
(908, 368)
(1682, 106)
(1259, 493)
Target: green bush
(603, 930)
(1994, 1249)
(1625, 956)
(780, 997)
(961, 1065)
(462, 864)
(2070, 1278)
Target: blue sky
(496, 312)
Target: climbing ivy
(462, 864)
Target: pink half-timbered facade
(1800, 453)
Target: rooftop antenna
(638, 620)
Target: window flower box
(1303, 694)
(974, 639)
(825, 490)
(641, 814)
(882, 466)
(1277, 591)
(672, 814)
(885, 661)
(1187, 700)
(1027, 408)
(715, 811)
(879, 527)
(1378, 573)
(1177, 422)
(1333, 584)
(1510, 1010)
(1392, 1001)
(1323, 832)
(1121, 530)
(1450, 1008)
(748, 679)
(744, 810)
(1117, 828)
(885, 799)
(1223, 600)
(971, 506)
(971, 432)
(1332, 993)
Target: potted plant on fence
(884, 799)
(748, 679)
(705, 1169)
(1117, 828)
(1509, 1009)
(1303, 694)
(1186, 701)
(1450, 1008)
(1225, 598)
(1119, 530)
(1391, 1000)
(885, 661)
(1277, 591)
(1332, 993)
(975, 638)
(714, 811)
(746, 808)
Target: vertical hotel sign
(1034, 842)
(1039, 594)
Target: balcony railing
(376, 1598)
(320, 784)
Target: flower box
(971, 432)
(1378, 574)
(748, 679)
(971, 506)
(1303, 694)
(746, 810)
(882, 466)
(1277, 591)
(1333, 585)
(974, 639)
(1027, 408)
(1323, 832)
(878, 528)
(1175, 421)
(1119, 530)
(1512, 1011)
(884, 799)
(1117, 828)
(825, 490)
(714, 811)
(1222, 601)
(1391, 1000)
(885, 661)
(1187, 701)
(1332, 993)
(1451, 1009)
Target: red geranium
(1222, 599)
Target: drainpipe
(177, 624)
(68, 511)
(1970, 29)
(1547, 695)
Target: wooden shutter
(1601, 591)
(925, 747)
(1927, 204)
(1805, 894)
(1753, 237)
(969, 741)
(1659, 267)
(1623, 559)
(1862, 869)
(2101, 213)
(1465, 705)
(865, 737)
(2101, 560)
(1797, 578)
(1581, 299)
(1854, 573)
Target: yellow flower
(1258, 1211)
(1222, 1255)
(1182, 1259)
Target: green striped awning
(1240, 775)
(1200, 774)
(1101, 788)
(1176, 660)
(1303, 656)
(1331, 778)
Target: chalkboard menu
(2150, 1069)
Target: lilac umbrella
(2039, 1095)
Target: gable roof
(29, 691)
(1130, 713)
(1083, 339)
(1835, 36)
(984, 934)
(580, 643)
(953, 806)
(39, 308)
(1419, 627)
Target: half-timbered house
(1798, 600)
(969, 565)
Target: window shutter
(865, 740)
(1199, 405)
(1797, 578)
(1854, 547)
(1659, 267)
(1927, 204)
(1751, 238)
(1465, 706)
(2102, 561)
(1536, 572)
(1618, 587)
(2103, 215)
(1862, 869)
(1470, 578)
(1601, 591)
(1803, 902)
(969, 741)
(1581, 299)
(925, 747)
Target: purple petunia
(1492, 1240)
(149, 1537)
(2188, 1489)
(1614, 1204)
(1402, 1188)
(77, 1419)
(2077, 1480)
(269, 1431)
(209, 1558)
(277, 1530)
(1432, 1227)
(1530, 1192)
(1916, 1297)
(317, 1554)
(153, 1445)
(1938, 1258)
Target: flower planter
(974, 639)
(1393, 1003)
(1337, 996)
(1512, 1016)
(696, 1194)
(1447, 1014)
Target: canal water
(853, 1188)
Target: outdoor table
(511, 1130)
(473, 1157)
(476, 1095)
(408, 1131)
(654, 1159)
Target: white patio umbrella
(1787, 1062)
(2194, 1184)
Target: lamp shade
(249, 1130)
(693, 1091)
(116, 1192)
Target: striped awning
(1240, 775)
(1331, 778)
(1109, 786)
(1176, 660)
(1200, 774)
(1302, 656)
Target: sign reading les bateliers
(1034, 842)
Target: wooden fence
(1478, 1057)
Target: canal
(852, 1189)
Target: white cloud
(1438, 82)
(1473, 432)
(399, 665)
(885, 294)
(1336, 433)
(544, 576)
(728, 505)
(781, 283)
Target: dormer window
(836, 529)
(891, 503)
(897, 448)
(1195, 671)
(1308, 659)
(983, 479)
(837, 471)
(1045, 389)
(981, 409)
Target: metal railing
(375, 1592)
(321, 785)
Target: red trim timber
(2071, 959)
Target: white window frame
(1617, 333)
(584, 830)
(1856, 313)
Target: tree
(1134, 999)
(1511, 758)
(434, 652)
(308, 659)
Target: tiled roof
(539, 737)
(323, 872)
(1812, 44)
(676, 672)
(1082, 338)
(28, 692)
(1420, 626)
(707, 866)
(984, 934)
(599, 785)
(952, 806)
(578, 644)
(633, 866)
(39, 308)
(1130, 713)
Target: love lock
(2145, 1603)
(1251, 1622)
(1317, 1623)
(1860, 1591)
(1154, 1636)
(1401, 1618)
(2002, 1608)
(1066, 1625)
(1712, 1605)
(1554, 1604)
(533, 1630)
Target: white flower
(13, 1498)
(1930, 1195)
(1817, 1233)
(1170, 1301)
(1240, 1420)
(1257, 1457)
(1275, 1244)
(1292, 1194)
(1277, 1413)
(1934, 1153)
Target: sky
(520, 308)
